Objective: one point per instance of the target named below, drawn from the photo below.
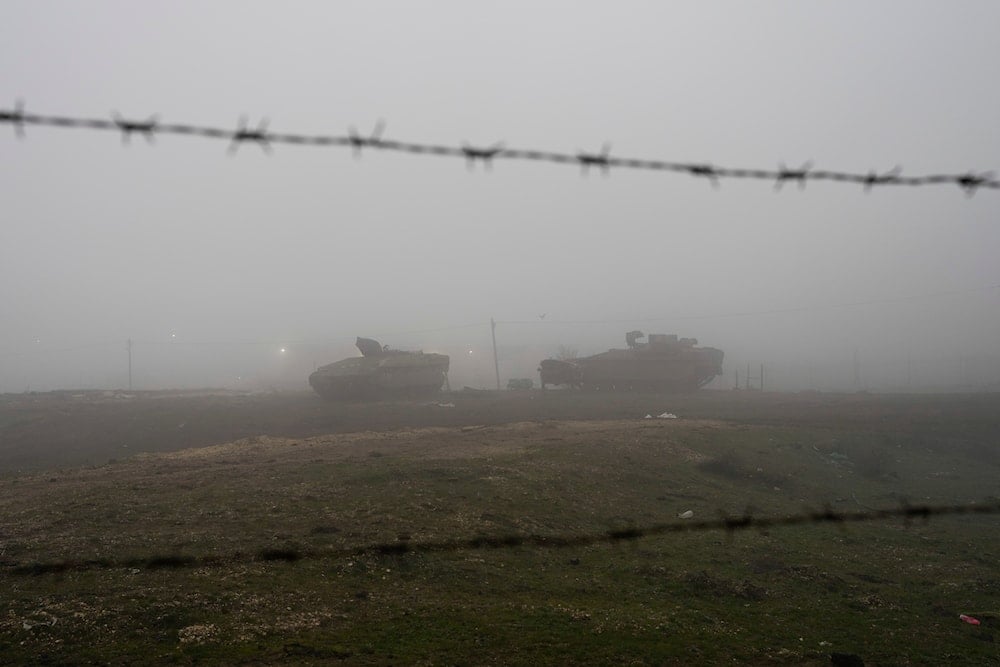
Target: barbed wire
(969, 182)
(402, 547)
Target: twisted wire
(401, 547)
(969, 182)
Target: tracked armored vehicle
(663, 363)
(381, 373)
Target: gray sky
(213, 263)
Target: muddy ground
(214, 528)
(41, 431)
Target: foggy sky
(211, 264)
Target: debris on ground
(41, 618)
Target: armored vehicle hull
(665, 363)
(381, 373)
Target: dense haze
(213, 264)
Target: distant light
(173, 335)
(470, 351)
(282, 350)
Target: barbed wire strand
(402, 547)
(969, 182)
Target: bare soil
(214, 528)
(41, 431)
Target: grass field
(240, 553)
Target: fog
(248, 271)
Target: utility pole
(857, 371)
(496, 362)
(762, 377)
(129, 348)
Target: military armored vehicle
(662, 363)
(381, 373)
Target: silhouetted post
(748, 376)
(496, 362)
(762, 377)
(129, 348)
(857, 371)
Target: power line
(729, 524)
(969, 182)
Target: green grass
(887, 591)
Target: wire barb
(358, 142)
(786, 174)
(873, 178)
(706, 171)
(15, 117)
(971, 181)
(146, 127)
(601, 160)
(485, 155)
(244, 133)
(734, 523)
(828, 515)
